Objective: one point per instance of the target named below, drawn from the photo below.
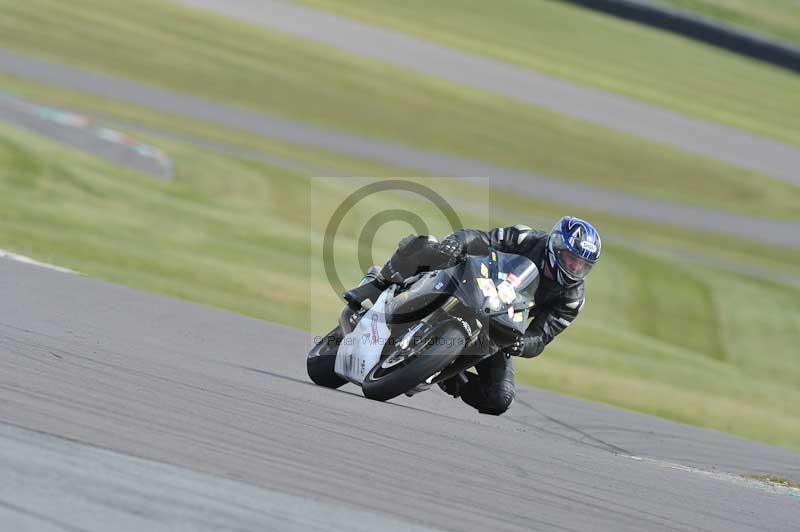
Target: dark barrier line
(726, 37)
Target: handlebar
(517, 308)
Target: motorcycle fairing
(361, 349)
(464, 282)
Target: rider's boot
(413, 254)
(368, 290)
(452, 386)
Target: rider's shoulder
(529, 241)
(520, 233)
(574, 292)
(533, 234)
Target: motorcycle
(433, 327)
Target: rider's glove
(526, 347)
(452, 249)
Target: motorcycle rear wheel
(435, 352)
(322, 359)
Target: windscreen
(508, 284)
(519, 271)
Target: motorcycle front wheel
(402, 369)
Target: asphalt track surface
(575, 195)
(693, 135)
(98, 489)
(124, 410)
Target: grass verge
(569, 42)
(775, 479)
(677, 242)
(702, 346)
(220, 59)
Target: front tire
(322, 359)
(439, 348)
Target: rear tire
(382, 385)
(322, 359)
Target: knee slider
(498, 399)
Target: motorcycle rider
(564, 256)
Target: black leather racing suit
(491, 391)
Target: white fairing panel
(360, 350)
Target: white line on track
(27, 260)
(725, 477)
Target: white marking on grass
(27, 260)
(761, 485)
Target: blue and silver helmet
(572, 249)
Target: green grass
(697, 345)
(660, 337)
(774, 18)
(215, 58)
(677, 242)
(615, 55)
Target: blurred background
(180, 148)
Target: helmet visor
(573, 265)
